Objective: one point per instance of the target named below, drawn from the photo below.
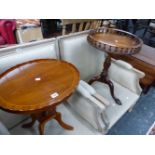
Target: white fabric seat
(114, 111)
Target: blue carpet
(140, 119)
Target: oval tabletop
(37, 84)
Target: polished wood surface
(147, 55)
(144, 61)
(114, 41)
(29, 86)
(36, 88)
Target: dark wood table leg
(103, 77)
(44, 117)
(52, 114)
(61, 122)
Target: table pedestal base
(103, 77)
(44, 117)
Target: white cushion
(124, 74)
(83, 107)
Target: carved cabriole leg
(104, 78)
(96, 78)
(43, 121)
(61, 123)
(43, 118)
(111, 86)
(52, 114)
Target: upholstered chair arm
(123, 64)
(93, 92)
(96, 110)
(129, 66)
(81, 90)
(127, 76)
(139, 73)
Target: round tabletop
(115, 41)
(37, 85)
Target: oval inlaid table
(36, 88)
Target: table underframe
(103, 77)
(45, 116)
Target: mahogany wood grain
(29, 88)
(114, 41)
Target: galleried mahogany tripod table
(113, 41)
(36, 88)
